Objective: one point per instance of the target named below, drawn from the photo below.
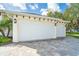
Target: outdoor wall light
(15, 21)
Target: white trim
(15, 32)
(32, 15)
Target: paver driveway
(58, 47)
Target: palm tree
(5, 23)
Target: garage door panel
(33, 30)
(60, 30)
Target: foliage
(73, 34)
(58, 15)
(5, 23)
(54, 14)
(5, 39)
(70, 14)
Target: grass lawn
(73, 34)
(5, 40)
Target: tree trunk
(8, 32)
(2, 32)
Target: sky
(37, 8)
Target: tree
(58, 15)
(72, 14)
(54, 14)
(5, 23)
(50, 13)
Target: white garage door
(29, 30)
(60, 30)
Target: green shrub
(73, 34)
(4, 39)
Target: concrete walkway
(60, 47)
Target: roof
(30, 14)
